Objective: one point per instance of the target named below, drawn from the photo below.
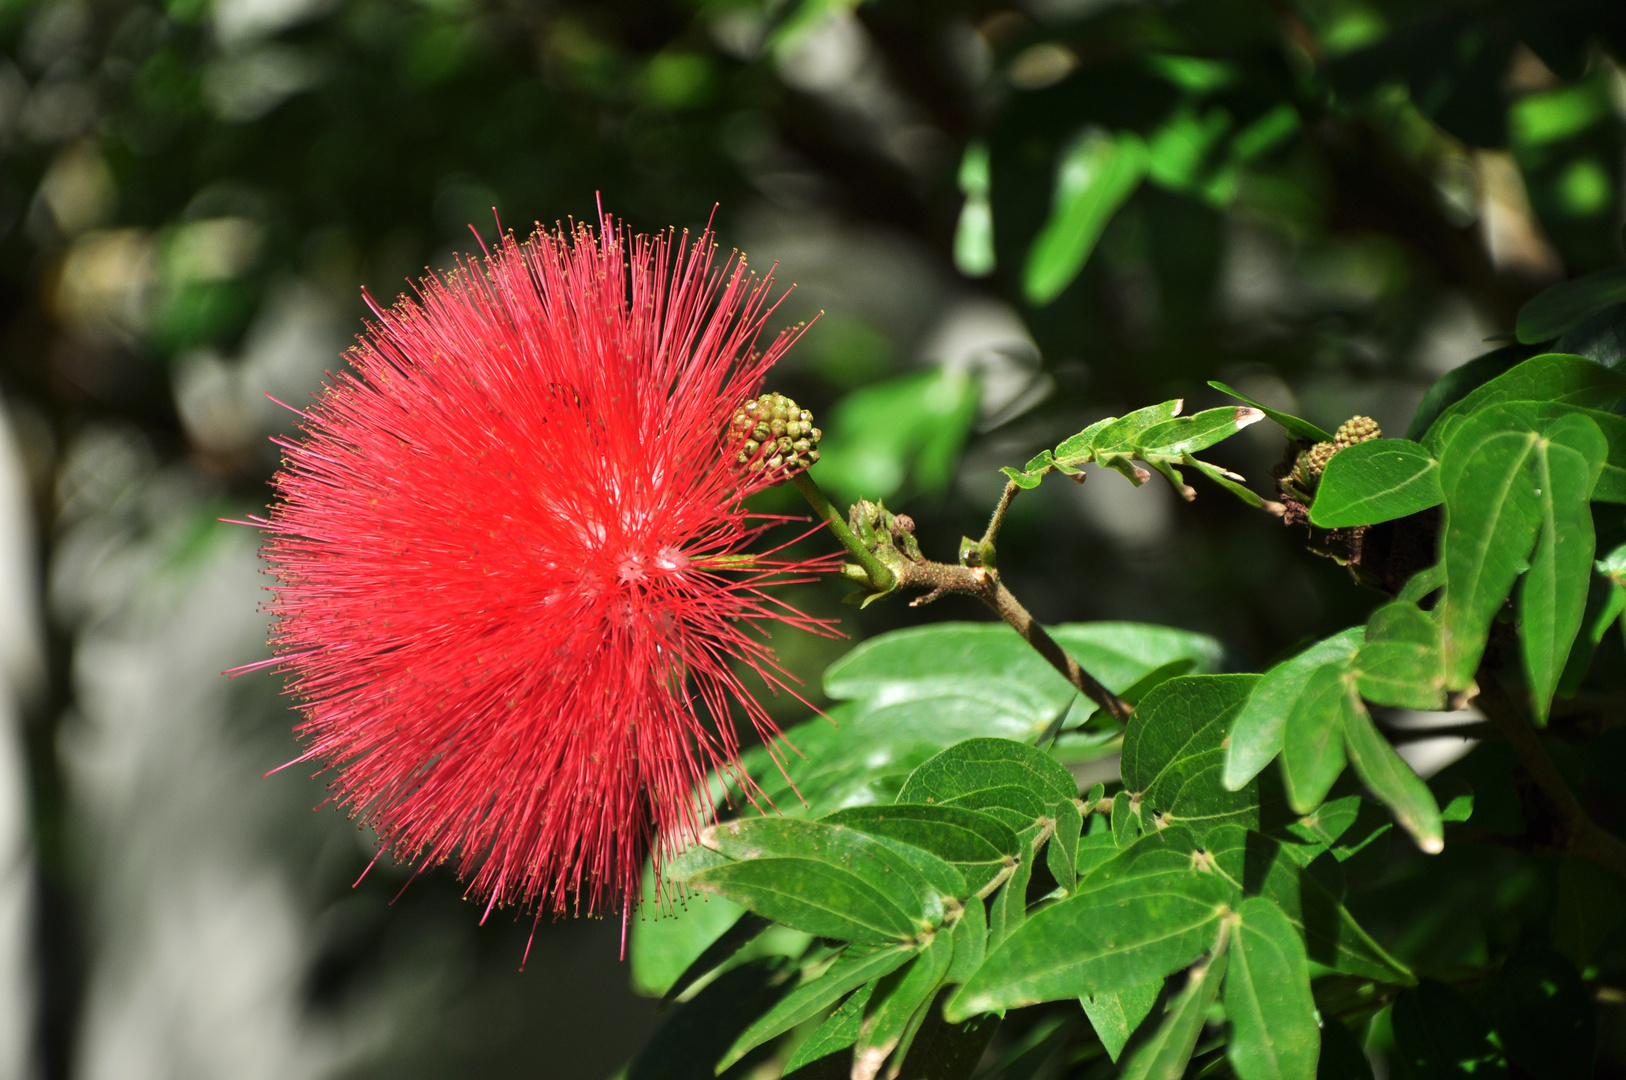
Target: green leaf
(1164, 851)
(1061, 854)
(1175, 751)
(1008, 908)
(1274, 1031)
(1313, 748)
(815, 995)
(977, 765)
(894, 876)
(1120, 935)
(837, 1033)
(1126, 823)
(1388, 777)
(974, 843)
(812, 897)
(1293, 425)
(952, 681)
(1019, 807)
(1190, 434)
(1165, 1054)
(1331, 935)
(1439, 1035)
(1402, 662)
(1492, 518)
(1376, 481)
(970, 941)
(1116, 1014)
(1096, 175)
(1552, 598)
(1458, 383)
(1554, 311)
(1549, 378)
(1078, 449)
(896, 1002)
(1257, 735)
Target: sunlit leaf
(1376, 481)
(1257, 734)
(1274, 1031)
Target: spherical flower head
(513, 593)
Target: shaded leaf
(745, 930)
(1551, 378)
(1439, 1035)
(812, 897)
(1342, 1058)
(837, 1033)
(1257, 734)
(1556, 310)
(1274, 1032)
(895, 1004)
(945, 1051)
(1008, 907)
(1165, 1054)
(666, 941)
(814, 996)
(1553, 595)
(1458, 383)
(1544, 1018)
(1376, 481)
(699, 1032)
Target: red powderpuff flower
(510, 556)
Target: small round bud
(1357, 429)
(772, 434)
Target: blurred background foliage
(1015, 217)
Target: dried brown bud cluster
(772, 433)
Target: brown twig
(1574, 830)
(983, 583)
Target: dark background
(193, 196)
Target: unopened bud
(772, 436)
(1357, 429)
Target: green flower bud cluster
(773, 433)
(1313, 462)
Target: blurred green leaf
(1274, 1027)
(1564, 306)
(691, 1040)
(1342, 1057)
(1545, 1020)
(1095, 176)
(665, 942)
(900, 435)
(1376, 481)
